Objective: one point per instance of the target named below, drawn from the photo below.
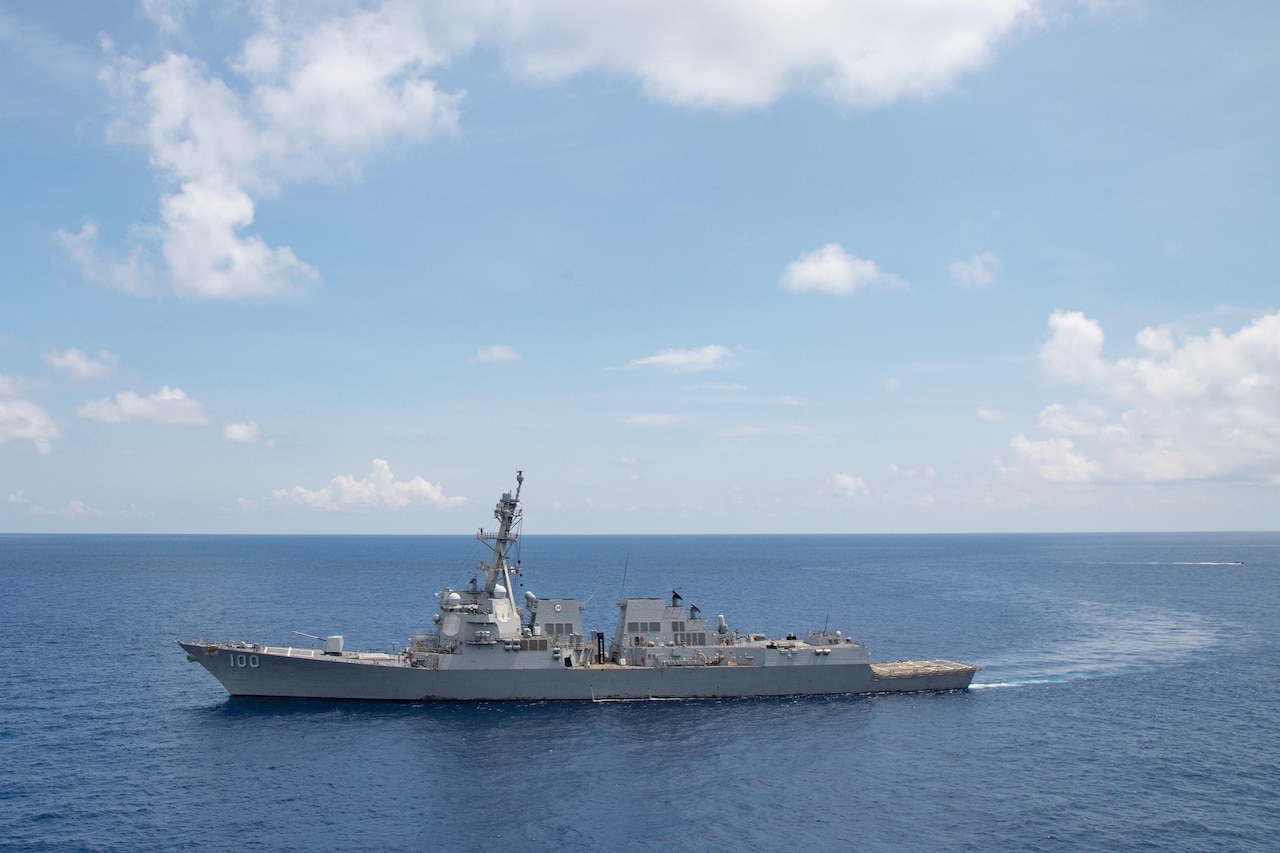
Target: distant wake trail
(1169, 563)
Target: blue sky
(695, 267)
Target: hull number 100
(240, 661)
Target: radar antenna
(507, 512)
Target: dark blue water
(1130, 700)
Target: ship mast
(508, 514)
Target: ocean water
(1130, 699)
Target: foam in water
(1106, 639)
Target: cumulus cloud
(1054, 459)
(1073, 353)
(1083, 419)
(496, 354)
(134, 272)
(22, 420)
(318, 88)
(1181, 407)
(981, 270)
(744, 53)
(170, 406)
(316, 91)
(380, 490)
(848, 485)
(734, 53)
(992, 415)
(703, 358)
(245, 432)
(77, 365)
(834, 271)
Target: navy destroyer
(486, 647)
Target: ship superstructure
(485, 646)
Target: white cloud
(1182, 407)
(134, 273)
(981, 270)
(833, 270)
(704, 358)
(1055, 459)
(168, 15)
(743, 53)
(378, 491)
(992, 415)
(652, 419)
(77, 365)
(496, 354)
(1073, 352)
(788, 400)
(73, 509)
(848, 485)
(1081, 420)
(25, 421)
(318, 88)
(246, 432)
(315, 95)
(166, 406)
(80, 508)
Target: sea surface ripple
(1130, 699)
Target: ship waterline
(485, 647)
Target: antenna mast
(507, 512)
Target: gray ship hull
(484, 646)
(304, 673)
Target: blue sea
(1130, 699)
